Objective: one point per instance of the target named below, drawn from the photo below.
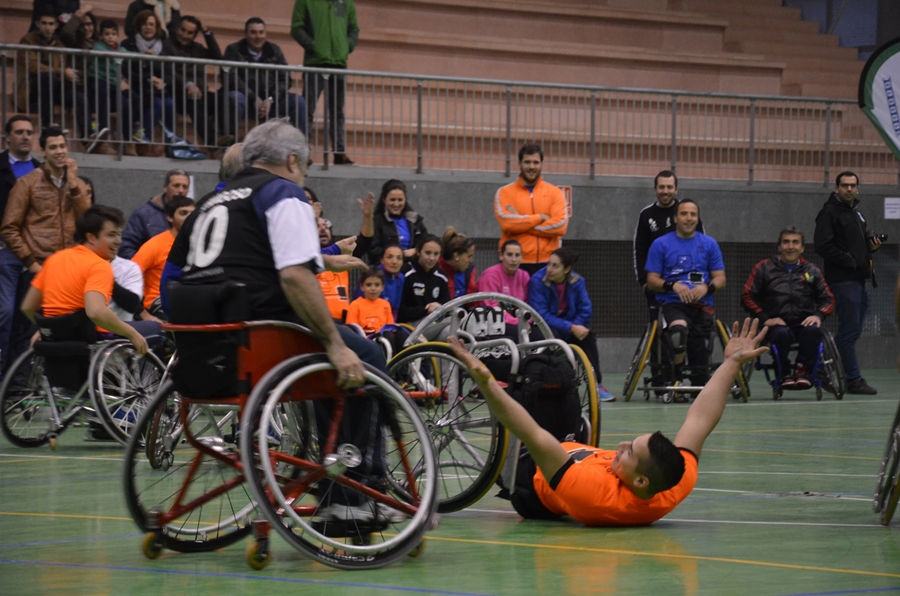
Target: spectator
(314, 201)
(789, 296)
(47, 76)
(335, 285)
(80, 31)
(147, 78)
(559, 295)
(150, 219)
(191, 95)
(392, 264)
(358, 245)
(371, 311)
(846, 245)
(232, 163)
(686, 268)
(62, 10)
(268, 92)
(396, 222)
(81, 278)
(458, 263)
(167, 13)
(506, 277)
(103, 94)
(328, 33)
(15, 162)
(532, 211)
(425, 288)
(152, 255)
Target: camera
(881, 237)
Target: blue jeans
(10, 269)
(291, 105)
(852, 304)
(809, 338)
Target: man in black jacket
(265, 91)
(15, 162)
(789, 296)
(845, 244)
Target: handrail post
(827, 144)
(508, 131)
(327, 133)
(674, 130)
(593, 133)
(419, 126)
(120, 126)
(751, 157)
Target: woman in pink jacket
(506, 277)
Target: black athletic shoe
(860, 387)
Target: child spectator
(371, 311)
(425, 288)
(392, 266)
(102, 92)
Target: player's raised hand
(744, 344)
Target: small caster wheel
(418, 550)
(54, 442)
(151, 545)
(818, 394)
(166, 461)
(776, 393)
(668, 396)
(258, 555)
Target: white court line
(701, 472)
(836, 496)
(22, 456)
(733, 404)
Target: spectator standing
(842, 239)
(150, 219)
(328, 32)
(506, 277)
(532, 211)
(15, 162)
(396, 222)
(167, 13)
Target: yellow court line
(792, 454)
(668, 556)
(65, 515)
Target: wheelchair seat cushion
(72, 327)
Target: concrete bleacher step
(720, 8)
(789, 49)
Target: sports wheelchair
(470, 444)
(250, 422)
(887, 489)
(663, 373)
(826, 374)
(48, 388)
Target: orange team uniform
(69, 274)
(371, 315)
(590, 492)
(151, 258)
(336, 287)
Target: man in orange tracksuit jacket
(532, 211)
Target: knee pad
(678, 338)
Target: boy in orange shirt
(152, 255)
(371, 311)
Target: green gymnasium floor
(782, 506)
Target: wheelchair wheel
(741, 386)
(298, 488)
(887, 490)
(193, 501)
(639, 361)
(587, 394)
(469, 442)
(832, 367)
(25, 402)
(122, 384)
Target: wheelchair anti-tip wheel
(832, 367)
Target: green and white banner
(879, 93)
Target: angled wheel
(639, 360)
(887, 489)
(741, 387)
(336, 503)
(587, 394)
(122, 384)
(180, 477)
(832, 367)
(469, 442)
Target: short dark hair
(567, 256)
(17, 118)
(42, 10)
(530, 149)
(90, 184)
(50, 131)
(177, 203)
(665, 174)
(312, 195)
(425, 239)
(665, 467)
(253, 21)
(371, 272)
(507, 243)
(108, 24)
(454, 243)
(190, 19)
(837, 181)
(392, 245)
(92, 220)
(687, 200)
(789, 230)
(386, 188)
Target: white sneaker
(336, 512)
(390, 515)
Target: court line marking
(702, 472)
(290, 580)
(21, 458)
(65, 515)
(737, 431)
(70, 540)
(836, 593)
(779, 403)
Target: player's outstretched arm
(705, 412)
(548, 454)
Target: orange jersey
(371, 315)
(151, 258)
(336, 287)
(591, 493)
(68, 275)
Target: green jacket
(326, 29)
(104, 69)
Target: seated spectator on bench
(788, 294)
(151, 257)
(150, 219)
(81, 278)
(425, 288)
(506, 277)
(147, 78)
(44, 78)
(391, 265)
(166, 12)
(457, 263)
(267, 92)
(371, 311)
(80, 31)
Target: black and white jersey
(256, 226)
(653, 222)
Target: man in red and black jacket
(789, 296)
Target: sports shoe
(140, 136)
(96, 138)
(860, 387)
(363, 514)
(801, 377)
(603, 394)
(788, 383)
(341, 159)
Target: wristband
(710, 289)
(668, 285)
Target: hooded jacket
(773, 290)
(543, 297)
(327, 30)
(841, 239)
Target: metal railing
(443, 123)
